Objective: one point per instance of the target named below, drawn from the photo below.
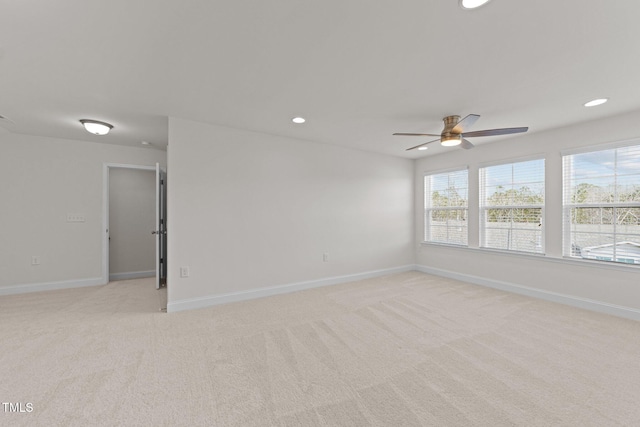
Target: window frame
(483, 208)
(568, 206)
(427, 232)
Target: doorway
(131, 220)
(134, 211)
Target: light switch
(75, 217)
(184, 271)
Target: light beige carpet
(402, 350)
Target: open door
(161, 228)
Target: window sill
(542, 257)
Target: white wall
(247, 211)
(132, 210)
(41, 181)
(613, 285)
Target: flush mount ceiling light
(298, 120)
(95, 127)
(5, 118)
(472, 4)
(422, 148)
(595, 102)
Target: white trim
(428, 209)
(128, 166)
(105, 223)
(513, 206)
(105, 211)
(603, 205)
(443, 171)
(483, 207)
(208, 301)
(581, 262)
(50, 286)
(600, 147)
(131, 275)
(445, 244)
(521, 159)
(568, 186)
(194, 303)
(588, 304)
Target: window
(512, 206)
(602, 205)
(446, 207)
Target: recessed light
(422, 148)
(298, 120)
(595, 102)
(145, 143)
(472, 4)
(95, 127)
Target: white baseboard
(193, 303)
(588, 304)
(131, 275)
(50, 286)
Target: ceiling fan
(454, 132)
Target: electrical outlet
(35, 260)
(184, 271)
(325, 257)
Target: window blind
(512, 206)
(446, 206)
(601, 192)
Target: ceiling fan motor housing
(448, 134)
(450, 122)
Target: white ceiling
(358, 70)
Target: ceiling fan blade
(466, 144)
(465, 123)
(412, 148)
(493, 132)
(415, 134)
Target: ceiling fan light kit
(451, 141)
(454, 132)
